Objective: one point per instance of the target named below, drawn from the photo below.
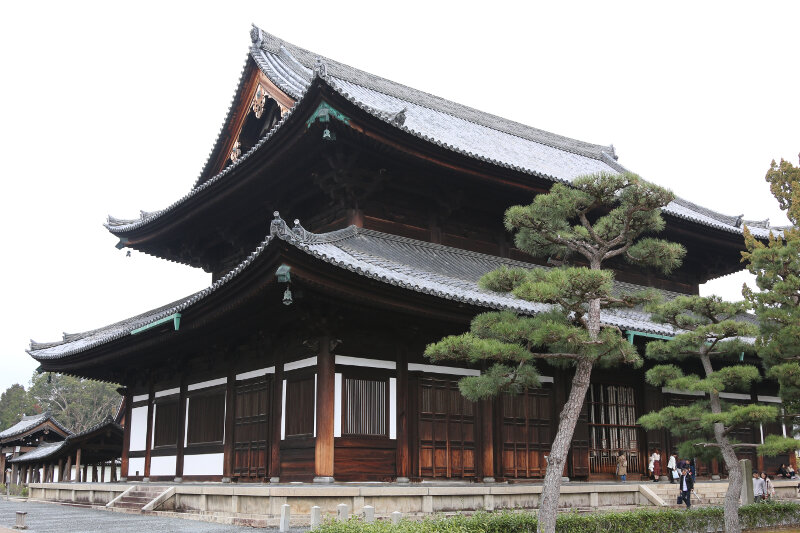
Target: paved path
(54, 518)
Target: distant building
(25, 436)
(303, 360)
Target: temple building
(25, 436)
(345, 220)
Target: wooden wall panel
(364, 459)
(297, 460)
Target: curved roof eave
(413, 271)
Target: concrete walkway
(54, 518)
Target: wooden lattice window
(365, 407)
(300, 398)
(206, 418)
(165, 426)
(612, 427)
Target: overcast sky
(108, 108)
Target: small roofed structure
(26, 435)
(96, 450)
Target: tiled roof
(29, 422)
(437, 270)
(44, 450)
(48, 449)
(448, 124)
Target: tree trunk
(548, 507)
(731, 502)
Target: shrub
(640, 521)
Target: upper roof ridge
(273, 44)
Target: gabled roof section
(53, 449)
(450, 125)
(28, 424)
(422, 267)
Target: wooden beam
(277, 413)
(126, 438)
(323, 455)
(181, 429)
(230, 417)
(149, 434)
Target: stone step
(136, 499)
(139, 494)
(128, 505)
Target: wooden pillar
(3, 465)
(94, 473)
(78, 466)
(149, 443)
(403, 459)
(126, 438)
(60, 476)
(181, 429)
(323, 456)
(277, 407)
(67, 470)
(230, 417)
(113, 470)
(14, 471)
(85, 472)
(487, 440)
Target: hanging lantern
(287, 297)
(328, 135)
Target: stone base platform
(260, 505)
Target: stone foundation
(260, 505)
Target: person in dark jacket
(686, 484)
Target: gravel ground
(54, 518)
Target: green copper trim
(123, 242)
(176, 322)
(324, 113)
(631, 334)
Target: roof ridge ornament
(302, 233)
(320, 67)
(279, 228)
(399, 118)
(257, 36)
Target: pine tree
(776, 265)
(595, 219)
(714, 331)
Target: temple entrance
(251, 430)
(612, 428)
(446, 431)
(526, 433)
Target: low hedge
(701, 519)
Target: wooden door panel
(251, 430)
(446, 434)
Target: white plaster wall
(138, 428)
(163, 466)
(392, 408)
(134, 464)
(207, 464)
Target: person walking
(622, 467)
(651, 464)
(769, 490)
(686, 484)
(758, 488)
(672, 464)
